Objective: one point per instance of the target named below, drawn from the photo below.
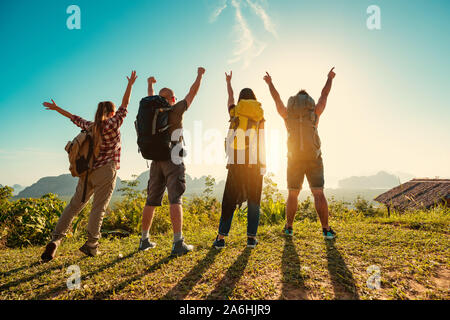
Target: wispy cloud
(217, 12)
(268, 24)
(247, 46)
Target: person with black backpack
(159, 137)
(301, 117)
(95, 158)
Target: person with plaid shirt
(102, 178)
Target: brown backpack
(303, 138)
(81, 156)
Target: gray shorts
(166, 174)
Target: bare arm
(151, 91)
(126, 96)
(229, 88)
(320, 107)
(53, 106)
(281, 108)
(194, 88)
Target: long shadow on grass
(341, 278)
(119, 287)
(10, 272)
(293, 287)
(226, 286)
(63, 287)
(14, 283)
(182, 288)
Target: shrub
(31, 221)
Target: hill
(381, 180)
(64, 186)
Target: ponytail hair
(103, 110)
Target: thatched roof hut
(417, 194)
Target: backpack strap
(89, 156)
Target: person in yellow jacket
(246, 163)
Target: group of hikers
(95, 158)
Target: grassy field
(411, 251)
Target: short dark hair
(303, 91)
(247, 94)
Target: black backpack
(152, 128)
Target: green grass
(412, 252)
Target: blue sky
(388, 108)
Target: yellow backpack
(248, 114)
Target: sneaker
(329, 234)
(251, 242)
(145, 244)
(49, 252)
(89, 251)
(288, 231)
(219, 243)
(180, 248)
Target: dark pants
(243, 184)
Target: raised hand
(50, 106)
(151, 80)
(331, 74)
(229, 76)
(201, 71)
(268, 78)
(132, 78)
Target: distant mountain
(65, 185)
(381, 180)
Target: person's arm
(78, 121)
(320, 107)
(151, 81)
(53, 106)
(126, 96)
(229, 88)
(281, 108)
(194, 88)
(116, 121)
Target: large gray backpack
(303, 138)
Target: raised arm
(53, 106)
(281, 108)
(194, 88)
(229, 88)
(151, 81)
(126, 96)
(320, 106)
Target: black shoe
(49, 252)
(145, 244)
(251, 242)
(219, 243)
(288, 231)
(180, 248)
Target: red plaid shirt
(111, 145)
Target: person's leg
(315, 176)
(321, 206)
(291, 207)
(295, 177)
(228, 205)
(155, 192)
(72, 210)
(176, 186)
(104, 182)
(252, 219)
